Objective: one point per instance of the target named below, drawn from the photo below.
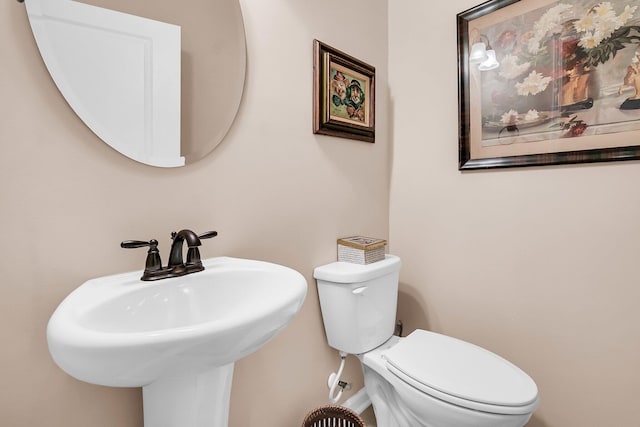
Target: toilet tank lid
(346, 272)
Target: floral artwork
(347, 95)
(343, 95)
(568, 69)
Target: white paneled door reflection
(119, 72)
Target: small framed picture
(343, 95)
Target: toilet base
(387, 409)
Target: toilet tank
(358, 303)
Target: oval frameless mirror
(160, 82)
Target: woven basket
(332, 416)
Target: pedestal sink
(176, 338)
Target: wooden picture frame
(564, 91)
(343, 95)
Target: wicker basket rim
(332, 412)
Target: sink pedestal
(199, 399)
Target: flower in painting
(549, 23)
(586, 23)
(511, 69)
(604, 11)
(532, 115)
(590, 40)
(533, 84)
(600, 22)
(533, 45)
(510, 117)
(626, 15)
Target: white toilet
(425, 379)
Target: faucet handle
(153, 263)
(208, 234)
(193, 254)
(132, 244)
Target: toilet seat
(461, 373)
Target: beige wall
(272, 189)
(539, 264)
(535, 264)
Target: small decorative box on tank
(361, 250)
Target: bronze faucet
(177, 265)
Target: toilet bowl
(425, 379)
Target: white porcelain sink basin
(177, 338)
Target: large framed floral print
(343, 94)
(548, 82)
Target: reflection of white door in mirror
(120, 73)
